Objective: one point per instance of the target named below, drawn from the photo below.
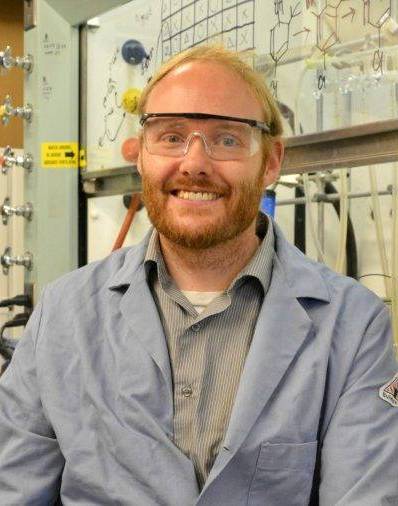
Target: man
(213, 364)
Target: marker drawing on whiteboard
(377, 21)
(114, 115)
(144, 17)
(280, 35)
(199, 22)
(328, 29)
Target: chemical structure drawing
(373, 17)
(326, 39)
(113, 117)
(328, 22)
(280, 36)
(376, 17)
(278, 7)
(185, 24)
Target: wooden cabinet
(11, 81)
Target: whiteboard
(326, 61)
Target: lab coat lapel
(282, 327)
(139, 311)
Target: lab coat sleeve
(359, 456)
(30, 459)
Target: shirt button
(196, 327)
(187, 391)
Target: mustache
(195, 184)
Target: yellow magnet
(130, 100)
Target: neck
(212, 269)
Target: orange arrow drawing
(351, 13)
(306, 30)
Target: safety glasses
(224, 137)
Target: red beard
(241, 208)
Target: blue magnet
(133, 52)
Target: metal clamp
(9, 159)
(8, 61)
(7, 260)
(7, 111)
(6, 210)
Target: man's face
(194, 200)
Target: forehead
(206, 87)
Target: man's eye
(172, 139)
(227, 141)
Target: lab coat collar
(138, 307)
(303, 279)
(301, 274)
(133, 261)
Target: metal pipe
(322, 197)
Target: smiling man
(205, 166)
(213, 364)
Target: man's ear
(274, 163)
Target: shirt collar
(260, 266)
(154, 260)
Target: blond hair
(235, 62)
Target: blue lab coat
(86, 407)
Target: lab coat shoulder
(73, 291)
(75, 310)
(346, 316)
(314, 280)
(96, 277)
(352, 331)
(334, 302)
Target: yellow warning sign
(59, 155)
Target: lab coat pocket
(283, 475)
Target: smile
(196, 195)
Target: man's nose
(196, 159)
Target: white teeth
(196, 195)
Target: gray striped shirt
(208, 350)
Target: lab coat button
(196, 327)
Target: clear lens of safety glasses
(223, 140)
